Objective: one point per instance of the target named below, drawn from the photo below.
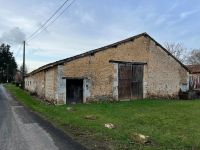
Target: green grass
(171, 124)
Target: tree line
(8, 65)
(9, 70)
(186, 56)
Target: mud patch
(89, 139)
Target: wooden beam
(126, 62)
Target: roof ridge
(85, 53)
(104, 48)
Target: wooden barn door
(130, 81)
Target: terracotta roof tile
(194, 68)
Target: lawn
(170, 124)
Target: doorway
(74, 90)
(130, 81)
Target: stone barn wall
(97, 68)
(39, 84)
(42, 83)
(28, 84)
(50, 84)
(35, 83)
(165, 75)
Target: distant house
(134, 68)
(194, 76)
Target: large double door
(130, 81)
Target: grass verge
(170, 124)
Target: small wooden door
(130, 81)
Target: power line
(18, 51)
(50, 23)
(45, 26)
(46, 22)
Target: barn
(194, 78)
(134, 68)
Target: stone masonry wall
(44, 84)
(51, 84)
(165, 75)
(28, 85)
(35, 83)
(98, 69)
(39, 82)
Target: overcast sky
(90, 24)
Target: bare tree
(177, 49)
(194, 57)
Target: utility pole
(23, 72)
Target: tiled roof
(194, 68)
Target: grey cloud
(14, 36)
